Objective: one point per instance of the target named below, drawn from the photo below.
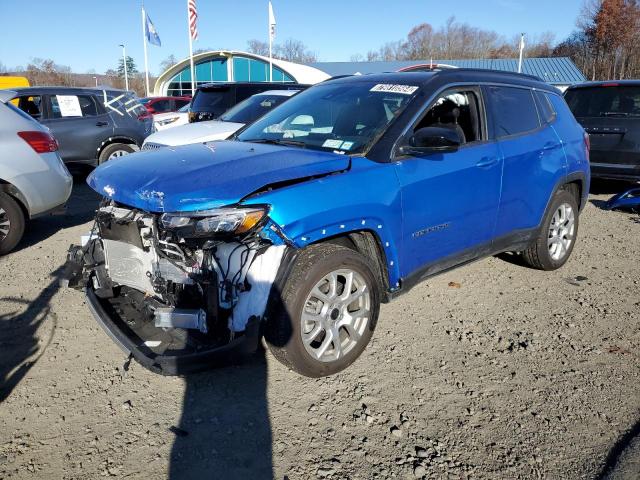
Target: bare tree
(168, 62)
(258, 47)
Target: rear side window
(211, 101)
(31, 105)
(614, 101)
(545, 109)
(161, 106)
(62, 106)
(514, 111)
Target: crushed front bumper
(173, 364)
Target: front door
(450, 200)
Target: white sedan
(227, 124)
(162, 121)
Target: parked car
(212, 100)
(164, 104)
(33, 178)
(162, 121)
(610, 113)
(228, 123)
(91, 125)
(345, 196)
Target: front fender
(366, 197)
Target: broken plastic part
(629, 200)
(181, 318)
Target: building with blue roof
(560, 72)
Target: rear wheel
(115, 150)
(12, 223)
(328, 311)
(557, 236)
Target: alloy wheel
(335, 315)
(118, 153)
(5, 224)
(561, 231)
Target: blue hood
(203, 176)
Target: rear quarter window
(545, 109)
(514, 111)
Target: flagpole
(144, 42)
(521, 53)
(272, 27)
(270, 57)
(193, 76)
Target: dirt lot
(507, 373)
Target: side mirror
(432, 139)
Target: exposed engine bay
(173, 293)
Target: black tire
(114, 148)
(283, 331)
(538, 255)
(10, 211)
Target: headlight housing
(167, 121)
(205, 223)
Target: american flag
(192, 11)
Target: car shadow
(609, 187)
(81, 208)
(225, 430)
(617, 465)
(20, 346)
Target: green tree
(131, 67)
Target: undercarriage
(176, 303)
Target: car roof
(606, 83)
(70, 90)
(278, 93)
(453, 75)
(252, 84)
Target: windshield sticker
(331, 143)
(69, 106)
(389, 88)
(347, 145)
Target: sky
(85, 34)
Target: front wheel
(327, 311)
(557, 236)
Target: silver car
(33, 178)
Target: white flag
(272, 23)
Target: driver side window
(456, 110)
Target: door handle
(487, 162)
(102, 124)
(549, 146)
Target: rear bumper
(174, 365)
(615, 171)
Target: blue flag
(152, 33)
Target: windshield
(185, 108)
(345, 117)
(615, 101)
(252, 108)
(145, 100)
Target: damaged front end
(180, 292)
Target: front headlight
(167, 121)
(219, 220)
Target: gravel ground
(490, 371)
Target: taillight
(41, 142)
(587, 144)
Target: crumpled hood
(198, 132)
(203, 176)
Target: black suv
(610, 113)
(213, 99)
(91, 125)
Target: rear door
(610, 113)
(79, 124)
(533, 158)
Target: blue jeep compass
(341, 198)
